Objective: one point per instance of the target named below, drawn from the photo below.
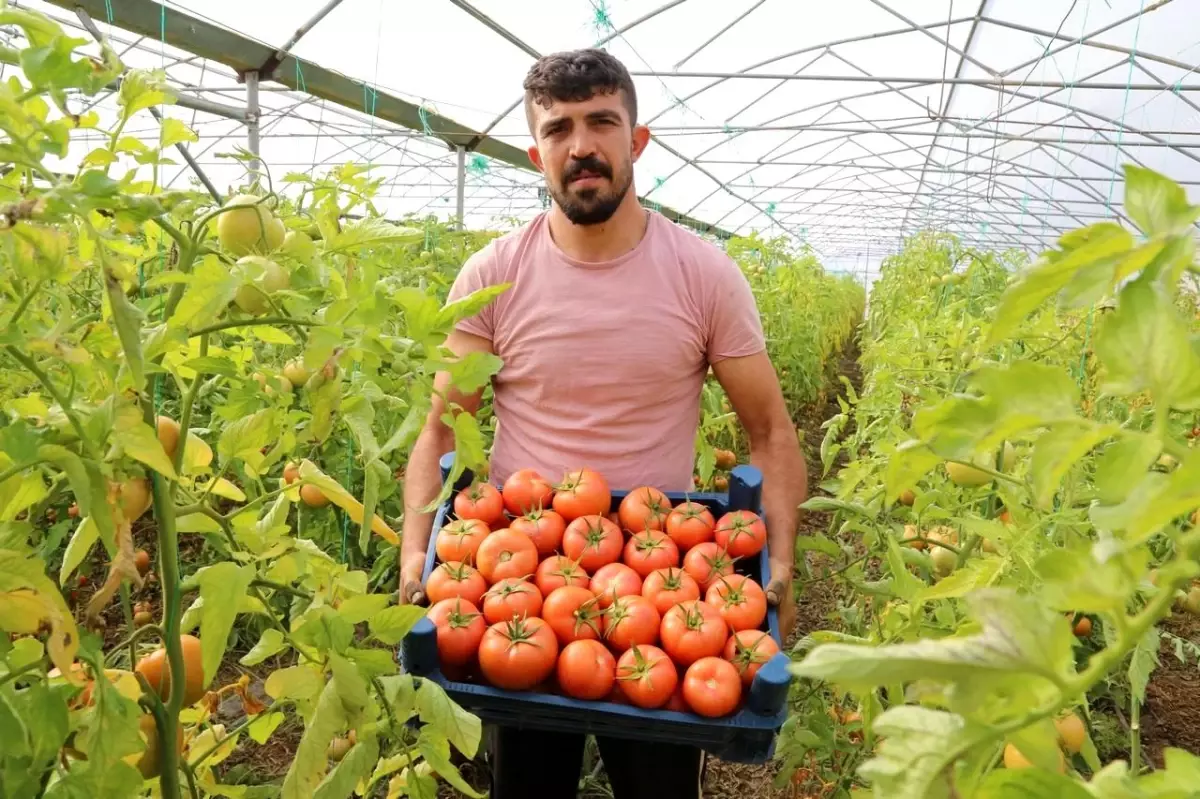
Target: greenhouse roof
(845, 125)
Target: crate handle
(446, 464)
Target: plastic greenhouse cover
(844, 125)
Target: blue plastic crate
(747, 736)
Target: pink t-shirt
(604, 362)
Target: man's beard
(590, 206)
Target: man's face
(587, 150)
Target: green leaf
(1075, 580)
(916, 749)
(1030, 784)
(1123, 464)
(222, 587)
(436, 750)
(269, 644)
(357, 609)
(1143, 663)
(373, 662)
(139, 441)
(175, 132)
(1058, 450)
(78, 547)
(907, 464)
(371, 231)
(390, 625)
(904, 584)
(359, 415)
(301, 684)
(208, 294)
(354, 767)
(196, 523)
(1156, 203)
(470, 447)
(471, 372)
(1153, 503)
(245, 438)
(128, 320)
(338, 707)
(469, 306)
(1038, 743)
(325, 398)
(261, 727)
(1008, 400)
(444, 716)
(827, 504)
(978, 573)
(1145, 346)
(1179, 778)
(1033, 288)
(817, 543)
(1020, 638)
(211, 365)
(323, 628)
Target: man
(612, 321)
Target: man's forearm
(785, 488)
(422, 482)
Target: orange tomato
(649, 551)
(155, 668)
(582, 492)
(586, 670)
(544, 527)
(646, 676)
(668, 587)
(631, 620)
(741, 602)
(480, 501)
(689, 524)
(693, 630)
(747, 650)
(455, 579)
(518, 654)
(741, 533)
(459, 630)
(506, 553)
(594, 541)
(513, 597)
(557, 571)
(615, 580)
(525, 491)
(706, 561)
(573, 613)
(459, 540)
(644, 508)
(711, 687)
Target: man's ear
(641, 138)
(535, 155)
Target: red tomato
(526, 491)
(594, 541)
(506, 553)
(646, 676)
(512, 597)
(644, 508)
(453, 579)
(480, 501)
(689, 524)
(668, 587)
(586, 670)
(459, 539)
(518, 654)
(650, 550)
(693, 630)
(711, 687)
(573, 613)
(706, 561)
(741, 602)
(741, 533)
(614, 580)
(459, 630)
(631, 620)
(582, 492)
(544, 527)
(747, 650)
(557, 571)
(677, 702)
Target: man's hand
(780, 596)
(412, 592)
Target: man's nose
(583, 145)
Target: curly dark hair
(577, 75)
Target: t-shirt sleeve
(735, 327)
(477, 273)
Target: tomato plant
(203, 417)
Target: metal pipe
(252, 118)
(496, 27)
(914, 81)
(718, 34)
(282, 52)
(462, 186)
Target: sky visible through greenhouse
(843, 125)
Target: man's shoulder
(499, 255)
(693, 250)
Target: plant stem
(138, 634)
(36, 665)
(12, 322)
(44, 379)
(13, 471)
(287, 589)
(265, 320)
(185, 413)
(1135, 735)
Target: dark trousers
(531, 763)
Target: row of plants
(1015, 520)
(207, 408)
(808, 315)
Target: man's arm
(422, 477)
(753, 390)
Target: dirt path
(741, 781)
(1171, 716)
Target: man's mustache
(593, 165)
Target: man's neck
(604, 242)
